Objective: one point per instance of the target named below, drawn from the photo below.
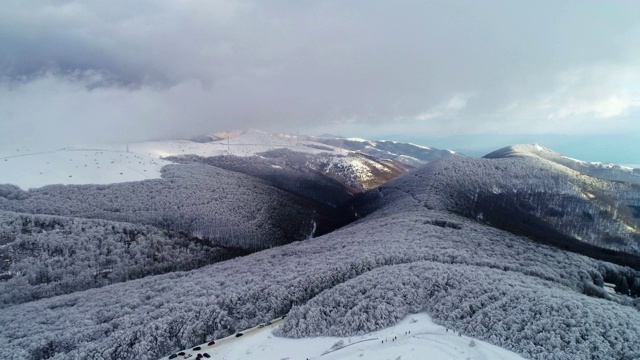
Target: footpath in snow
(415, 337)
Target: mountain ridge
(607, 171)
(459, 237)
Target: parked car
(239, 334)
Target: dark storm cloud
(105, 70)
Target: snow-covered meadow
(103, 165)
(117, 163)
(416, 337)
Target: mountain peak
(595, 169)
(536, 150)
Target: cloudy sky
(470, 75)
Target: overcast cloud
(107, 70)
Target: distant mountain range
(410, 154)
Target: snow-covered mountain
(595, 169)
(206, 201)
(533, 197)
(116, 163)
(95, 271)
(407, 153)
(407, 253)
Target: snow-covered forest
(292, 176)
(44, 256)
(527, 195)
(411, 154)
(287, 180)
(400, 257)
(600, 170)
(226, 208)
(536, 318)
(325, 177)
(121, 271)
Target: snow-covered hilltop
(595, 169)
(106, 164)
(77, 165)
(407, 153)
(531, 196)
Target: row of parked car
(211, 343)
(202, 355)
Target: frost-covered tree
(222, 207)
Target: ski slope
(415, 337)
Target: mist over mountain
(165, 195)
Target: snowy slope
(408, 252)
(246, 143)
(351, 167)
(532, 196)
(95, 165)
(403, 258)
(415, 337)
(116, 163)
(411, 154)
(596, 169)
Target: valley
(232, 232)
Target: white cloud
(448, 109)
(601, 91)
(585, 99)
(58, 110)
(168, 68)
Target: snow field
(415, 337)
(117, 163)
(105, 165)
